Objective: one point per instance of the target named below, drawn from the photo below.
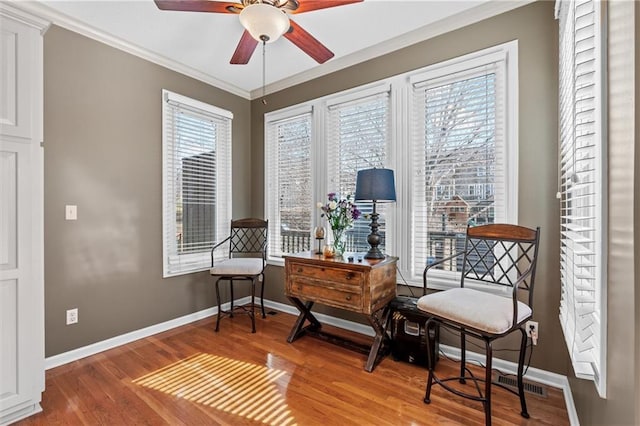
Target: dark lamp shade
(375, 185)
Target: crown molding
(468, 17)
(65, 21)
(476, 14)
(30, 19)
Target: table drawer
(338, 275)
(328, 293)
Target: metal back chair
(247, 259)
(495, 257)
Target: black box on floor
(409, 334)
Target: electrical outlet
(72, 316)
(532, 331)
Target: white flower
(332, 205)
(319, 205)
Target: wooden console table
(365, 287)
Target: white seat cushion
(238, 266)
(476, 309)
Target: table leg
(305, 314)
(379, 326)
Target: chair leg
(231, 291)
(523, 350)
(430, 363)
(262, 297)
(487, 384)
(463, 356)
(219, 305)
(252, 312)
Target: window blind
(289, 169)
(581, 188)
(358, 137)
(196, 182)
(458, 158)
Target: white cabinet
(21, 215)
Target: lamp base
(374, 253)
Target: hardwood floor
(193, 376)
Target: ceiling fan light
(264, 22)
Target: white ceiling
(201, 44)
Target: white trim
(465, 63)
(170, 96)
(540, 376)
(357, 93)
(175, 263)
(28, 410)
(479, 13)
(37, 22)
(534, 374)
(76, 26)
(85, 351)
(451, 23)
(286, 113)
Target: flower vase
(339, 241)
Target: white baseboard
(28, 410)
(534, 374)
(85, 351)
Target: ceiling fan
(265, 21)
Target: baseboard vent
(512, 382)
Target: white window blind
(458, 158)
(581, 188)
(358, 134)
(448, 130)
(289, 184)
(196, 182)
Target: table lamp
(376, 186)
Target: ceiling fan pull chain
(264, 70)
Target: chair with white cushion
(247, 260)
(498, 267)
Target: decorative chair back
(248, 236)
(501, 254)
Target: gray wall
(536, 31)
(103, 152)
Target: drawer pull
(299, 270)
(348, 298)
(349, 275)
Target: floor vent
(528, 386)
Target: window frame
(200, 261)
(274, 256)
(506, 55)
(399, 142)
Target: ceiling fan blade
(308, 5)
(308, 43)
(245, 49)
(199, 6)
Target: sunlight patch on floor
(233, 386)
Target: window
(357, 138)
(288, 169)
(459, 142)
(582, 185)
(453, 149)
(196, 172)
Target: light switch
(71, 212)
